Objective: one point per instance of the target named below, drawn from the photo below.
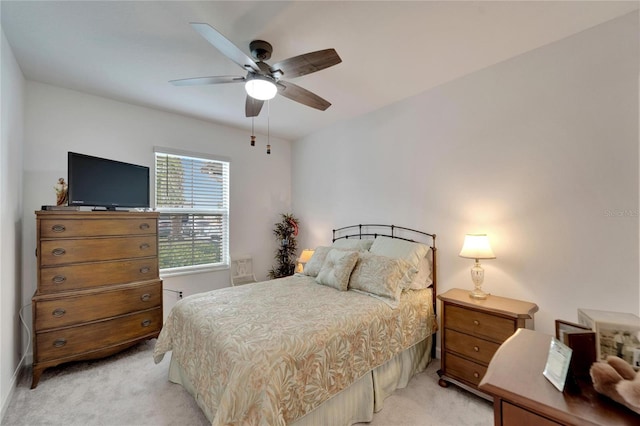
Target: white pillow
(353, 244)
(336, 269)
(313, 266)
(423, 279)
(380, 276)
(400, 249)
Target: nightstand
(473, 330)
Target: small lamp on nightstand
(305, 256)
(476, 246)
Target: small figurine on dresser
(616, 379)
(62, 192)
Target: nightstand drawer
(469, 346)
(463, 369)
(480, 324)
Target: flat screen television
(100, 182)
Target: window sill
(189, 270)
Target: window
(192, 197)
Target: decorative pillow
(380, 276)
(313, 266)
(400, 249)
(352, 244)
(423, 278)
(336, 269)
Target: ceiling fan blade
(305, 97)
(227, 48)
(220, 79)
(252, 106)
(307, 63)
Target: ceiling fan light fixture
(261, 88)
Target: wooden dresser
(523, 396)
(99, 289)
(473, 330)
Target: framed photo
(565, 328)
(558, 361)
(617, 334)
(582, 340)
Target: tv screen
(99, 182)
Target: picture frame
(582, 340)
(557, 368)
(617, 334)
(565, 328)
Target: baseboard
(12, 387)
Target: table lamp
(476, 246)
(305, 256)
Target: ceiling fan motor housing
(260, 49)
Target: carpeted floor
(129, 389)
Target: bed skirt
(358, 402)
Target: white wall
(60, 120)
(13, 347)
(540, 152)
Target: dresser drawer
(463, 369)
(70, 228)
(54, 312)
(60, 252)
(71, 341)
(480, 324)
(472, 347)
(87, 275)
(512, 415)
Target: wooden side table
(523, 396)
(473, 330)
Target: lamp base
(478, 294)
(477, 276)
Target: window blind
(192, 197)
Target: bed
(322, 347)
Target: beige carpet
(129, 389)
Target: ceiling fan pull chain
(268, 128)
(253, 135)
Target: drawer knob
(477, 349)
(476, 374)
(58, 312)
(144, 226)
(58, 228)
(144, 246)
(59, 279)
(58, 252)
(58, 343)
(145, 270)
(145, 297)
(476, 322)
(146, 323)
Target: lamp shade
(476, 246)
(305, 256)
(261, 88)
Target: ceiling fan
(263, 81)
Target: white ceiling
(129, 50)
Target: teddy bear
(617, 380)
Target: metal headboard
(365, 231)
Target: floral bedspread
(270, 352)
